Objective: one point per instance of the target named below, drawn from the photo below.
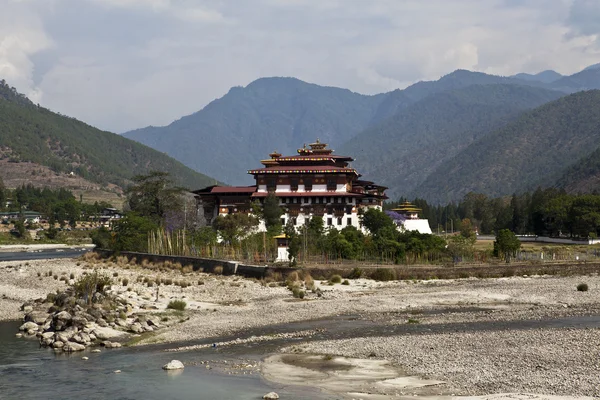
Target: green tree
(234, 227)
(2, 194)
(20, 227)
(131, 233)
(271, 214)
(154, 195)
(294, 243)
(506, 244)
(377, 223)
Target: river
(30, 372)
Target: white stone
(271, 396)
(173, 364)
(71, 346)
(27, 326)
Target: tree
(154, 195)
(506, 244)
(294, 243)
(271, 214)
(131, 233)
(377, 222)
(2, 194)
(233, 227)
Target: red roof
(325, 169)
(233, 189)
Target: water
(42, 254)
(29, 372)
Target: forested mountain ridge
(33, 135)
(232, 134)
(534, 150)
(583, 176)
(404, 149)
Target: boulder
(122, 323)
(63, 316)
(173, 364)
(106, 333)
(39, 317)
(82, 338)
(101, 322)
(58, 344)
(136, 328)
(96, 351)
(72, 346)
(271, 396)
(27, 308)
(28, 326)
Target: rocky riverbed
(476, 336)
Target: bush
(346, 282)
(88, 284)
(218, 270)
(125, 282)
(178, 305)
(72, 276)
(356, 273)
(582, 287)
(384, 274)
(335, 279)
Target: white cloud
(123, 64)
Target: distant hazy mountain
(542, 147)
(232, 134)
(33, 135)
(587, 79)
(547, 76)
(403, 150)
(594, 66)
(430, 121)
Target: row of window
(339, 221)
(317, 200)
(308, 184)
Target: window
(339, 220)
(331, 184)
(329, 222)
(306, 200)
(271, 184)
(283, 221)
(294, 221)
(294, 184)
(308, 184)
(349, 221)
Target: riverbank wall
(400, 272)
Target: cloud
(21, 36)
(123, 64)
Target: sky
(125, 64)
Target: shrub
(72, 276)
(582, 287)
(115, 274)
(88, 284)
(39, 274)
(168, 281)
(301, 294)
(346, 282)
(122, 315)
(335, 279)
(356, 273)
(125, 282)
(178, 305)
(55, 277)
(218, 270)
(383, 274)
(200, 282)
(187, 269)
(413, 321)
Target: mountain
(587, 79)
(547, 76)
(403, 150)
(41, 146)
(232, 134)
(583, 176)
(537, 149)
(594, 66)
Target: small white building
(406, 216)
